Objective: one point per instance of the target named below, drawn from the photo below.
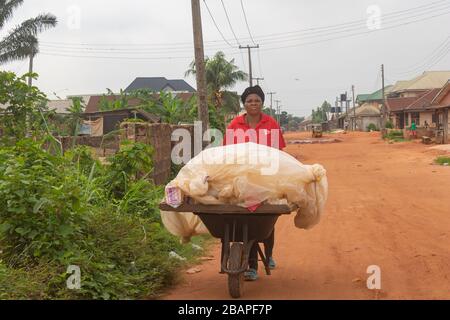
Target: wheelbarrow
(238, 229)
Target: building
(368, 110)
(412, 100)
(442, 111)
(103, 122)
(157, 84)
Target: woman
(267, 129)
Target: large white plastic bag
(246, 174)
(183, 224)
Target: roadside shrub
(372, 127)
(142, 199)
(389, 125)
(131, 162)
(445, 161)
(43, 209)
(394, 135)
(83, 159)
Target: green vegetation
(372, 127)
(221, 74)
(394, 136)
(443, 160)
(389, 125)
(58, 210)
(321, 113)
(21, 42)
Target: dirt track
(388, 206)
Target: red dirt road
(388, 206)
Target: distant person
(413, 129)
(425, 124)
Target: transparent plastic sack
(247, 174)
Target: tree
(24, 106)
(76, 110)
(110, 101)
(326, 108)
(22, 41)
(221, 74)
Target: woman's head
(253, 100)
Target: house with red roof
(442, 111)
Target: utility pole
(257, 80)
(271, 96)
(346, 105)
(354, 108)
(30, 69)
(200, 65)
(278, 110)
(250, 75)
(383, 121)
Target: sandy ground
(388, 206)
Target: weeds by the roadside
(57, 211)
(443, 161)
(394, 136)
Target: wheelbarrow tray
(260, 222)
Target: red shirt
(238, 131)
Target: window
(415, 117)
(434, 118)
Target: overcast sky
(300, 61)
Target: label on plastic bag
(174, 197)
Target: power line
(217, 27)
(318, 41)
(109, 57)
(291, 38)
(229, 22)
(354, 34)
(438, 54)
(277, 35)
(242, 56)
(246, 22)
(362, 21)
(308, 32)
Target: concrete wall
(363, 122)
(426, 116)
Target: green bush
(132, 161)
(43, 208)
(443, 160)
(372, 127)
(53, 214)
(394, 135)
(389, 125)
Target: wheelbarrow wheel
(236, 281)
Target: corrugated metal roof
(424, 102)
(60, 106)
(367, 110)
(427, 80)
(441, 95)
(399, 104)
(158, 84)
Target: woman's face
(253, 104)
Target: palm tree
(21, 42)
(221, 74)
